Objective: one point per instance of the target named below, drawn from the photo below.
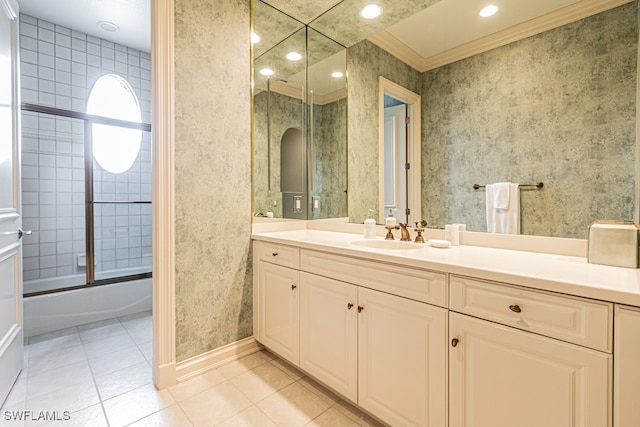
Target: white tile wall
(58, 69)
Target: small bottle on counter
(390, 221)
(370, 226)
(452, 234)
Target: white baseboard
(164, 376)
(214, 358)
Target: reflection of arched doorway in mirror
(399, 152)
(293, 172)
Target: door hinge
(408, 211)
(407, 166)
(407, 120)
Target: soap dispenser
(390, 221)
(370, 226)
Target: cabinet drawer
(580, 321)
(420, 285)
(286, 256)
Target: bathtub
(59, 310)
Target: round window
(115, 148)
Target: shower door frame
(89, 120)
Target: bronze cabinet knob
(515, 308)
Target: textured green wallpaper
(212, 175)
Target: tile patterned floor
(101, 374)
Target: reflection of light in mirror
(337, 74)
(267, 72)
(294, 56)
(255, 38)
(488, 11)
(371, 11)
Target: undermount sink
(387, 244)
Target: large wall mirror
(300, 119)
(547, 96)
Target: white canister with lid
(452, 234)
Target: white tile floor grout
(100, 375)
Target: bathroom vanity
(464, 336)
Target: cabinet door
(328, 342)
(626, 407)
(502, 377)
(277, 300)
(402, 359)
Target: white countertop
(558, 273)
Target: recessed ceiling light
(108, 26)
(489, 10)
(267, 72)
(337, 74)
(254, 38)
(371, 11)
(294, 56)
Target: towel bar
(537, 185)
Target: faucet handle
(421, 224)
(389, 235)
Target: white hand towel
(506, 221)
(501, 193)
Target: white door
(11, 331)
(402, 359)
(278, 310)
(328, 342)
(503, 377)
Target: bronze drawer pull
(275, 254)
(293, 287)
(360, 308)
(349, 306)
(515, 308)
(454, 342)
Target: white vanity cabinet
(501, 374)
(384, 352)
(276, 299)
(626, 408)
(401, 341)
(328, 333)
(416, 347)
(402, 359)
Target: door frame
(414, 131)
(163, 192)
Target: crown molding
(285, 89)
(330, 97)
(296, 93)
(558, 18)
(388, 42)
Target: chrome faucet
(405, 236)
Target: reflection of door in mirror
(395, 157)
(399, 152)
